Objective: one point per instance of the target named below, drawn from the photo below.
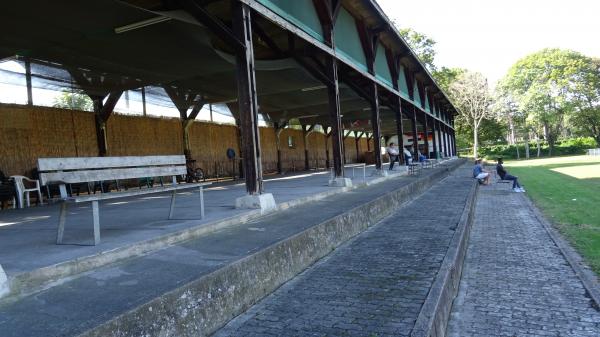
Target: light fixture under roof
(141, 24)
(318, 87)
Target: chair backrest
(86, 169)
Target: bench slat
(111, 174)
(75, 163)
(133, 192)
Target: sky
(489, 36)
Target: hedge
(570, 146)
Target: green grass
(567, 190)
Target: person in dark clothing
(505, 176)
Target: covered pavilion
(339, 64)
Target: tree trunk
(527, 145)
(475, 141)
(550, 138)
(537, 143)
(511, 125)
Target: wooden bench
(63, 171)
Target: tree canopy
(422, 45)
(553, 86)
(74, 100)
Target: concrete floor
(73, 305)
(27, 236)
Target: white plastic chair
(24, 191)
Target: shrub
(564, 147)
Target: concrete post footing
(4, 289)
(340, 182)
(265, 202)
(380, 173)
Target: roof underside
(180, 53)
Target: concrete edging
(202, 306)
(435, 312)
(589, 280)
(28, 283)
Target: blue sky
(490, 36)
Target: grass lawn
(567, 190)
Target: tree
(446, 76)
(471, 96)
(549, 87)
(74, 101)
(586, 115)
(421, 44)
(507, 109)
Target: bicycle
(194, 174)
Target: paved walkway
(88, 300)
(373, 285)
(515, 280)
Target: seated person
(393, 153)
(422, 157)
(407, 157)
(480, 174)
(505, 176)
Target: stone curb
(202, 306)
(589, 280)
(435, 312)
(31, 282)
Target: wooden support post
(399, 130)
(446, 153)
(187, 122)
(183, 99)
(443, 138)
(439, 139)
(453, 143)
(238, 134)
(327, 136)
(357, 137)
(335, 120)
(28, 82)
(327, 16)
(102, 112)
(450, 152)
(415, 134)
(306, 131)
(144, 101)
(100, 126)
(426, 135)
(449, 141)
(278, 129)
(247, 98)
(434, 138)
(369, 136)
(376, 123)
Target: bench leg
(172, 208)
(62, 218)
(201, 203)
(96, 216)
